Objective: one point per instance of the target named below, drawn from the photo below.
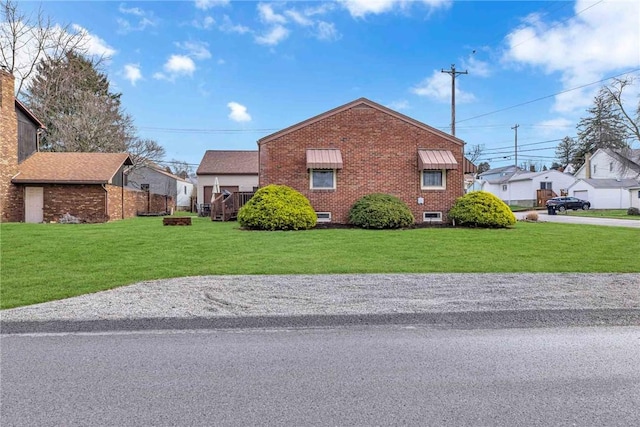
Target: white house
(158, 181)
(517, 187)
(233, 171)
(609, 179)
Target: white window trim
(328, 219)
(425, 219)
(444, 180)
(322, 188)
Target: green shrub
(481, 209)
(380, 211)
(633, 211)
(277, 207)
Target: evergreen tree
(566, 150)
(603, 128)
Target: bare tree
(614, 94)
(27, 39)
(474, 153)
(145, 152)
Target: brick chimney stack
(9, 203)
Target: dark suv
(563, 203)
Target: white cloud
(228, 26)
(361, 8)
(94, 44)
(176, 65)
(477, 67)
(206, 23)
(600, 40)
(197, 50)
(132, 73)
(143, 18)
(399, 105)
(208, 4)
(438, 87)
(268, 16)
(238, 112)
(274, 36)
(298, 18)
(327, 31)
(552, 126)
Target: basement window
(324, 216)
(432, 216)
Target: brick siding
(380, 155)
(10, 197)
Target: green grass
(604, 213)
(43, 262)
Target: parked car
(563, 203)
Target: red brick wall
(10, 197)
(379, 153)
(86, 202)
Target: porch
(225, 205)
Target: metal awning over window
(436, 159)
(324, 159)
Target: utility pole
(453, 73)
(516, 129)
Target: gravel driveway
(294, 295)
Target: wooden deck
(225, 207)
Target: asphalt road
(359, 375)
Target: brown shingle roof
(71, 168)
(220, 162)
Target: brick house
(37, 186)
(363, 147)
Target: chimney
(587, 165)
(9, 210)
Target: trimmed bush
(380, 211)
(481, 209)
(277, 207)
(633, 211)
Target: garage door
(33, 204)
(581, 194)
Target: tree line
(67, 89)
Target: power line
(548, 96)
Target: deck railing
(225, 207)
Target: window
(432, 216)
(595, 167)
(323, 179)
(546, 186)
(504, 187)
(434, 179)
(638, 194)
(185, 189)
(324, 216)
(611, 167)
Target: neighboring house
(233, 171)
(609, 179)
(514, 186)
(42, 187)
(360, 148)
(158, 181)
(85, 185)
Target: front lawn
(43, 262)
(604, 213)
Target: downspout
(106, 201)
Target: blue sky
(204, 74)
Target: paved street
(376, 375)
(566, 219)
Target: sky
(219, 75)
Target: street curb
(461, 320)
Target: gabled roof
(20, 106)
(160, 170)
(629, 158)
(71, 168)
(530, 175)
(223, 162)
(499, 170)
(352, 104)
(612, 183)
